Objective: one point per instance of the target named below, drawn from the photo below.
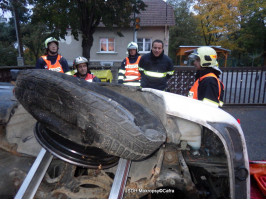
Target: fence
(243, 85)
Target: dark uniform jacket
(208, 87)
(155, 71)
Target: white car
(179, 147)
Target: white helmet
(49, 40)
(207, 56)
(80, 60)
(132, 45)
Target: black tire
(89, 114)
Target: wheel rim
(84, 156)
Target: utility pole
(20, 60)
(136, 24)
(135, 31)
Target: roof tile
(157, 13)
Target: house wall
(71, 48)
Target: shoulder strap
(127, 61)
(138, 59)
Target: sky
(6, 14)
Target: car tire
(81, 112)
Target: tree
(185, 31)
(33, 36)
(252, 35)
(84, 16)
(7, 39)
(219, 20)
(20, 14)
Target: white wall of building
(71, 48)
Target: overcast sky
(5, 14)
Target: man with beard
(52, 60)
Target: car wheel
(80, 112)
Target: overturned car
(178, 147)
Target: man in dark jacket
(155, 67)
(52, 60)
(207, 87)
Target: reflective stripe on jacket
(132, 70)
(157, 74)
(55, 67)
(155, 71)
(193, 92)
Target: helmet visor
(131, 47)
(192, 58)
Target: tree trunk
(88, 22)
(87, 41)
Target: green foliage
(33, 37)
(8, 55)
(253, 31)
(7, 33)
(7, 50)
(84, 16)
(185, 31)
(235, 25)
(20, 13)
(218, 20)
(252, 35)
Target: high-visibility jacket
(130, 74)
(193, 92)
(89, 77)
(56, 66)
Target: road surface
(253, 123)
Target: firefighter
(81, 65)
(128, 73)
(52, 60)
(155, 67)
(207, 87)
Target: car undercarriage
(203, 156)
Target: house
(183, 52)
(109, 46)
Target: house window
(144, 44)
(107, 44)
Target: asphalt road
(253, 123)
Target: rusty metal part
(77, 182)
(170, 157)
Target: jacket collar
(206, 70)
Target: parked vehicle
(179, 147)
